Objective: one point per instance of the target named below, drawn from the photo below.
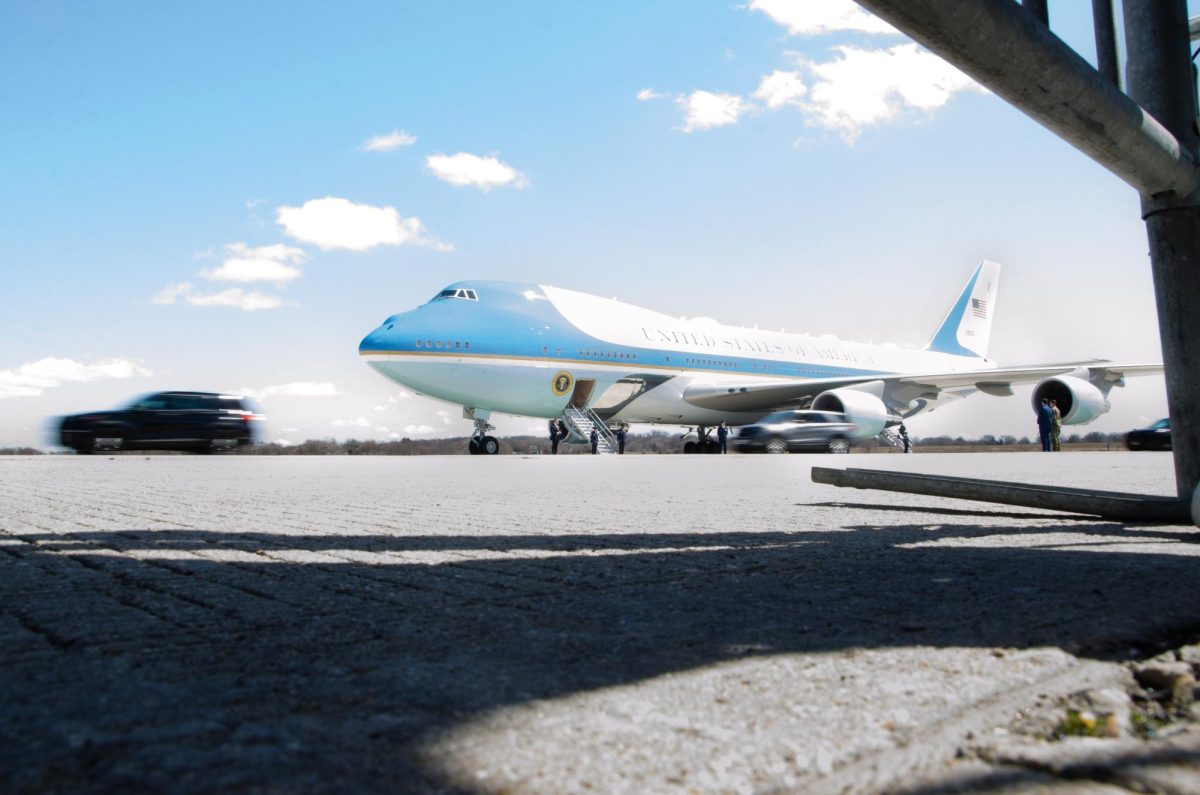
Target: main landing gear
(703, 443)
(481, 443)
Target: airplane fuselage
(532, 350)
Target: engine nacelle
(866, 411)
(1078, 401)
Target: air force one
(542, 351)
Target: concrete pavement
(579, 624)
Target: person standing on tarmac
(554, 437)
(723, 437)
(594, 438)
(904, 440)
(1055, 427)
(1045, 420)
(621, 433)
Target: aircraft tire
(689, 448)
(489, 446)
(777, 446)
(473, 446)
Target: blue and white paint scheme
(540, 351)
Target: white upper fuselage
(529, 349)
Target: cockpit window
(456, 292)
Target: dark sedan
(796, 432)
(1156, 437)
(201, 422)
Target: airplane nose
(375, 341)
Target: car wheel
(85, 445)
(777, 446)
(839, 446)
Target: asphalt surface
(551, 625)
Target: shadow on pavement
(310, 662)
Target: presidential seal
(562, 383)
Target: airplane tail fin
(968, 325)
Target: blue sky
(190, 196)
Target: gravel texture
(551, 625)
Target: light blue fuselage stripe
(505, 323)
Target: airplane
(540, 351)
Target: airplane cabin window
(428, 343)
(437, 343)
(418, 343)
(457, 344)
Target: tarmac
(575, 624)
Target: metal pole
(1038, 9)
(1160, 80)
(1106, 41)
(1006, 49)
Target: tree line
(653, 443)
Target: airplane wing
(899, 390)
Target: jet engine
(1078, 401)
(866, 411)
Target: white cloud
(388, 141)
(781, 88)
(235, 297)
(865, 87)
(172, 292)
(294, 389)
(361, 422)
(647, 94)
(418, 429)
(485, 173)
(32, 378)
(705, 110)
(263, 264)
(333, 223)
(809, 18)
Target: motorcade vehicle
(201, 422)
(1156, 437)
(795, 431)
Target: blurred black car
(796, 431)
(201, 422)
(1156, 437)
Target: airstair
(581, 422)
(892, 437)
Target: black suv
(198, 421)
(796, 431)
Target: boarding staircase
(892, 437)
(581, 422)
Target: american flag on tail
(979, 307)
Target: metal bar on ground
(1108, 505)
(1008, 51)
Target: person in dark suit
(554, 437)
(621, 434)
(723, 437)
(1045, 417)
(594, 438)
